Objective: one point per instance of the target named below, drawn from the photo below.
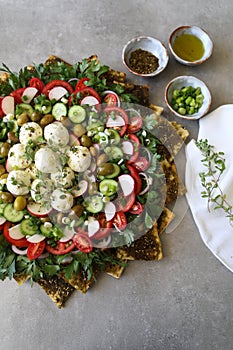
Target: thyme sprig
(216, 165)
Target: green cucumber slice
(114, 153)
(2, 206)
(108, 187)
(115, 173)
(27, 228)
(24, 108)
(94, 204)
(77, 114)
(59, 110)
(11, 214)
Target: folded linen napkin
(214, 226)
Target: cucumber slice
(77, 114)
(46, 231)
(44, 107)
(114, 136)
(59, 110)
(11, 214)
(2, 206)
(24, 108)
(108, 187)
(114, 153)
(94, 204)
(27, 228)
(115, 173)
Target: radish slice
(2, 220)
(38, 210)
(9, 167)
(15, 232)
(127, 184)
(74, 141)
(116, 121)
(110, 210)
(18, 251)
(148, 183)
(89, 176)
(80, 189)
(134, 111)
(113, 93)
(127, 147)
(28, 94)
(37, 238)
(93, 226)
(8, 105)
(89, 100)
(57, 93)
(68, 234)
(103, 243)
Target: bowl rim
(188, 117)
(178, 58)
(159, 68)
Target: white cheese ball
(41, 189)
(32, 171)
(56, 134)
(62, 200)
(18, 182)
(63, 178)
(47, 161)
(30, 131)
(79, 158)
(17, 158)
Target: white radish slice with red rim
(89, 100)
(127, 147)
(80, 189)
(68, 234)
(110, 210)
(28, 94)
(15, 232)
(8, 105)
(37, 238)
(74, 141)
(149, 182)
(115, 94)
(127, 184)
(38, 210)
(2, 220)
(57, 93)
(115, 121)
(93, 226)
(18, 251)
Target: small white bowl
(148, 44)
(179, 83)
(200, 34)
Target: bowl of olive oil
(190, 45)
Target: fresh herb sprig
(215, 165)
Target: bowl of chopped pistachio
(145, 56)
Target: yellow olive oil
(188, 47)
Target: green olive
(2, 170)
(102, 158)
(78, 209)
(7, 197)
(4, 176)
(92, 188)
(35, 116)
(22, 119)
(46, 219)
(105, 169)
(5, 149)
(86, 141)
(66, 121)
(79, 130)
(20, 203)
(46, 120)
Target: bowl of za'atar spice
(145, 56)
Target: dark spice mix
(143, 62)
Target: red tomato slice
(136, 145)
(88, 91)
(125, 203)
(54, 83)
(17, 94)
(17, 242)
(36, 83)
(135, 124)
(122, 113)
(35, 250)
(141, 164)
(61, 248)
(105, 227)
(82, 241)
(136, 176)
(80, 84)
(111, 99)
(120, 220)
(1, 111)
(137, 208)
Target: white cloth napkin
(214, 227)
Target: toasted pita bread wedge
(164, 220)
(20, 278)
(80, 281)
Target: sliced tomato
(125, 203)
(122, 113)
(80, 84)
(82, 241)
(105, 227)
(88, 91)
(141, 164)
(17, 94)
(136, 145)
(135, 124)
(136, 209)
(36, 83)
(35, 250)
(1, 111)
(111, 99)
(120, 220)
(55, 83)
(136, 177)
(22, 242)
(61, 248)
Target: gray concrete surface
(183, 302)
